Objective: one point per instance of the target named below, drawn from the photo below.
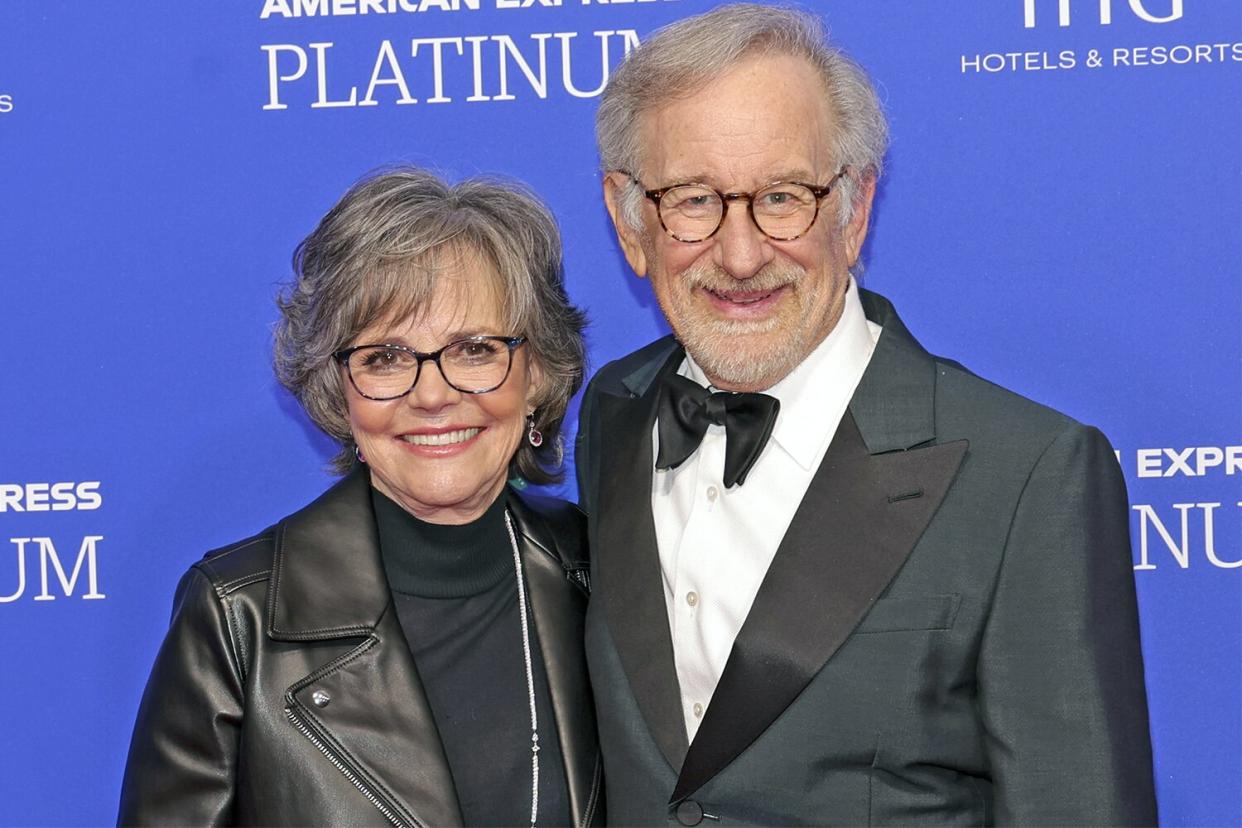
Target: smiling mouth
(740, 298)
(447, 438)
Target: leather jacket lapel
(558, 609)
(365, 709)
(628, 562)
(369, 709)
(327, 576)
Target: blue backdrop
(1062, 213)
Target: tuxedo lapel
(878, 486)
(860, 518)
(628, 562)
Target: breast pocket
(910, 613)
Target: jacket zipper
(593, 799)
(343, 768)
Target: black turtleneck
(455, 592)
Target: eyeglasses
(474, 365)
(783, 210)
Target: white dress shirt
(715, 543)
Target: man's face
(747, 308)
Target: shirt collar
(816, 393)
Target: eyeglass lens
(692, 212)
(472, 365)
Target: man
(883, 590)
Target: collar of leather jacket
(311, 596)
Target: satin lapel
(628, 566)
(399, 753)
(558, 608)
(857, 523)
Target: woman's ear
(536, 390)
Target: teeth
(448, 438)
(744, 299)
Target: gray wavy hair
(376, 256)
(683, 57)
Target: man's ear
(630, 239)
(855, 232)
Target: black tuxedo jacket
(947, 635)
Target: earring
(358, 454)
(533, 435)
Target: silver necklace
(530, 675)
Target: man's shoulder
(1002, 424)
(961, 395)
(627, 374)
(960, 389)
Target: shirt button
(712, 493)
(698, 710)
(692, 598)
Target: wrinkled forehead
(767, 118)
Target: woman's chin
(444, 495)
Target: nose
(741, 248)
(432, 392)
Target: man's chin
(736, 365)
(760, 329)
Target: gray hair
(377, 255)
(683, 57)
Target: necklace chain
(530, 675)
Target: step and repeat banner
(1062, 213)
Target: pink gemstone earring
(534, 435)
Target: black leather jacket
(284, 693)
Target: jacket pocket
(910, 613)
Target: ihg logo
(1138, 7)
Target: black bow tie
(687, 409)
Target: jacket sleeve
(182, 760)
(1060, 666)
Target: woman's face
(439, 478)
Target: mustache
(772, 276)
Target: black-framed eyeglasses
(782, 210)
(474, 365)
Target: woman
(405, 650)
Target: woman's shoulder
(557, 525)
(554, 510)
(241, 563)
(341, 510)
